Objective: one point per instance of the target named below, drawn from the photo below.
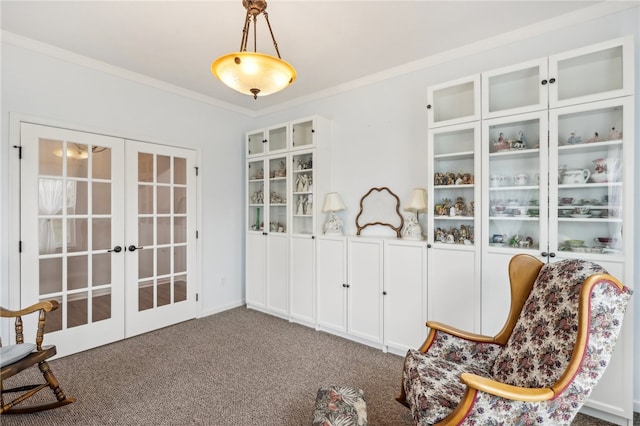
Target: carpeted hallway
(238, 367)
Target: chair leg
(53, 382)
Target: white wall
(40, 86)
(380, 130)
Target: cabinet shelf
(463, 186)
(470, 218)
(463, 155)
(514, 188)
(454, 246)
(302, 170)
(515, 153)
(589, 146)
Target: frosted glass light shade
(253, 73)
(417, 200)
(333, 203)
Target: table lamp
(333, 203)
(417, 203)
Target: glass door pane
(162, 200)
(516, 198)
(302, 193)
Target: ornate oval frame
(398, 229)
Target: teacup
(495, 180)
(582, 210)
(575, 176)
(567, 201)
(497, 238)
(521, 179)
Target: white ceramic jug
(575, 176)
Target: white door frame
(12, 293)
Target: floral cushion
(432, 385)
(540, 346)
(607, 311)
(340, 406)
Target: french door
(108, 230)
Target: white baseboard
(222, 308)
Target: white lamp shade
(417, 200)
(333, 203)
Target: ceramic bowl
(604, 240)
(574, 243)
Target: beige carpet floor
(238, 367)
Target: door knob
(116, 249)
(134, 248)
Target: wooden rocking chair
(18, 357)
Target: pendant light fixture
(254, 73)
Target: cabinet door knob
(544, 82)
(429, 106)
(384, 293)
(428, 245)
(552, 255)
(134, 248)
(552, 80)
(116, 249)
(544, 254)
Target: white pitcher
(575, 176)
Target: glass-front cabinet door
(515, 90)
(267, 194)
(255, 192)
(277, 200)
(256, 143)
(277, 139)
(302, 191)
(303, 134)
(597, 72)
(453, 192)
(269, 141)
(454, 102)
(588, 186)
(515, 183)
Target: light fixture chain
(245, 32)
(255, 39)
(266, 17)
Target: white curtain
(50, 202)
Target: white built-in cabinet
(287, 171)
(553, 161)
(454, 240)
(372, 290)
(500, 147)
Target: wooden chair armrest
(504, 390)
(477, 383)
(434, 325)
(47, 306)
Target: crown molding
(84, 61)
(598, 10)
(607, 7)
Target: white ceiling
(330, 43)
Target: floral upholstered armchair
(540, 368)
